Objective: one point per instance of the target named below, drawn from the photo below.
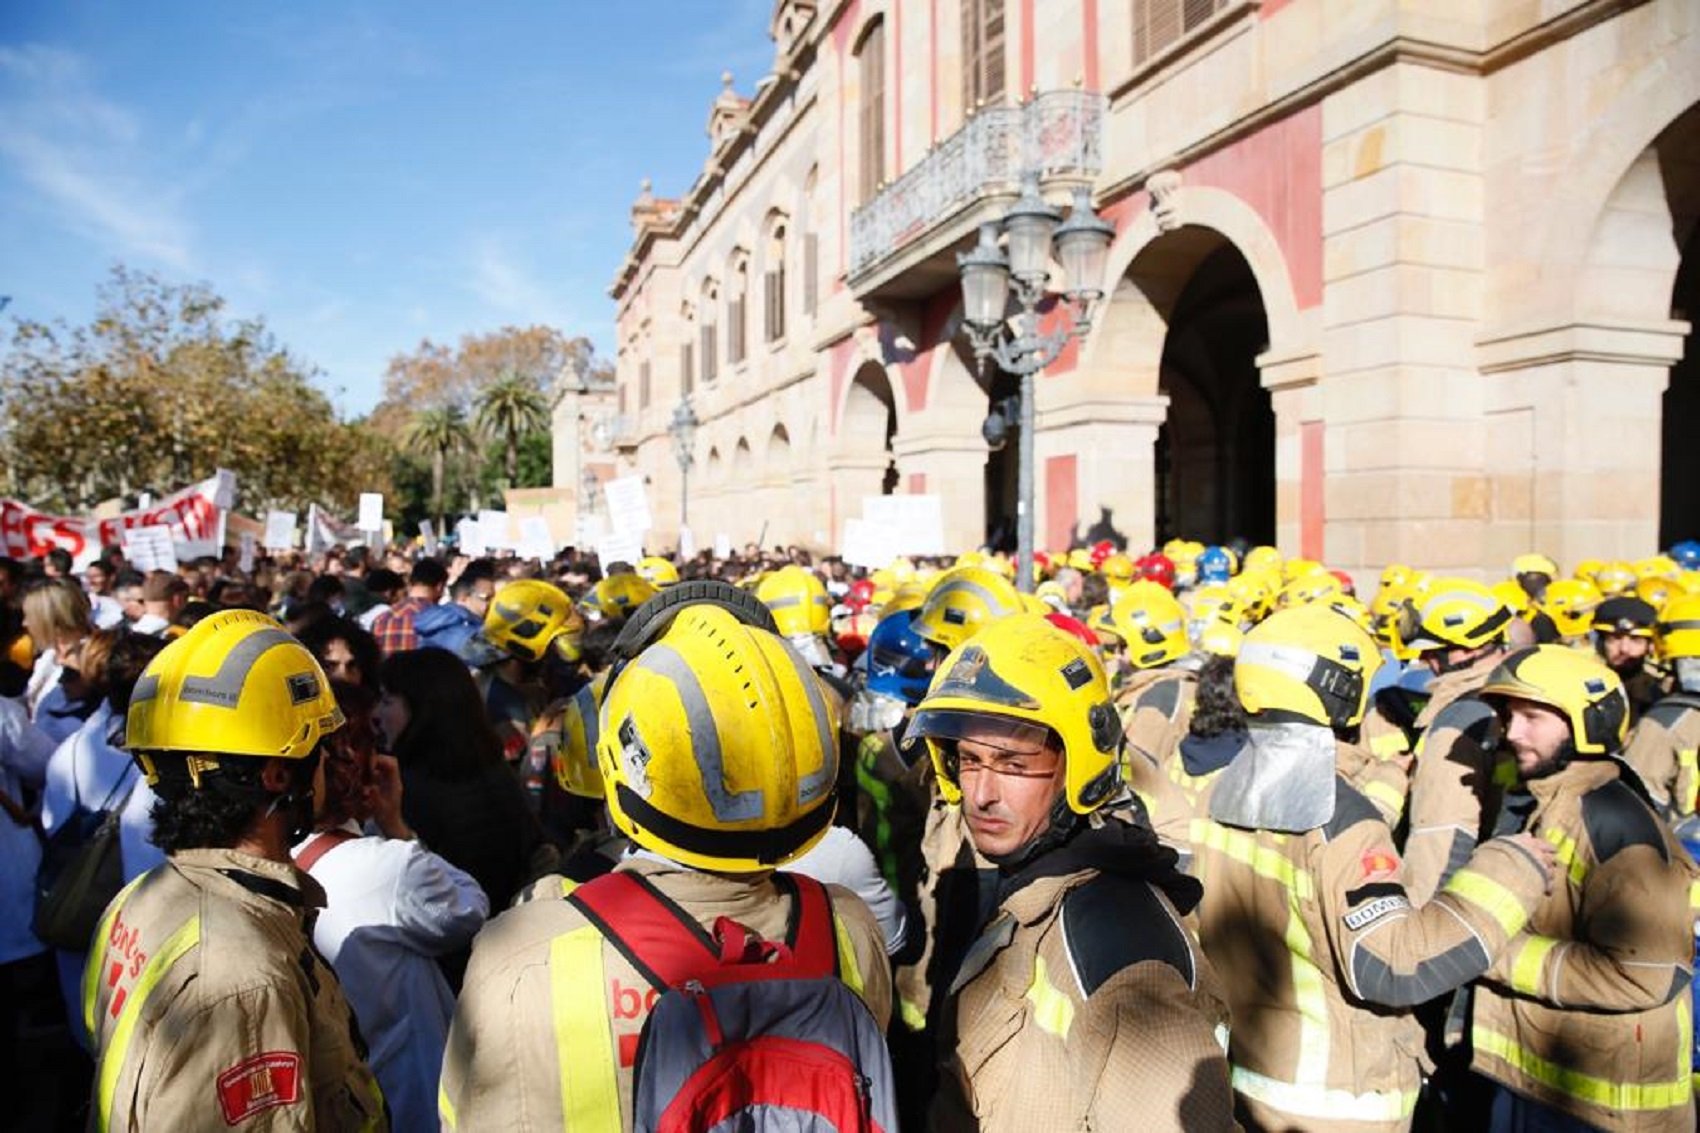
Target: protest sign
(867, 544)
(469, 539)
(280, 530)
(687, 544)
(150, 548)
(722, 545)
(371, 512)
(496, 530)
(536, 540)
(245, 562)
(428, 535)
(628, 504)
(915, 523)
(192, 514)
(620, 547)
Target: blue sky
(361, 175)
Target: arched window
(710, 349)
(773, 280)
(870, 62)
(982, 52)
(737, 308)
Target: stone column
(1112, 443)
(1293, 396)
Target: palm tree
(508, 409)
(439, 432)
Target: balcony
(936, 202)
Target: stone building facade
(1394, 280)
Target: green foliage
(159, 391)
(508, 409)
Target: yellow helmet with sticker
(530, 617)
(1309, 661)
(798, 600)
(1017, 684)
(962, 602)
(1573, 682)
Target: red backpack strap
(662, 941)
(812, 937)
(321, 845)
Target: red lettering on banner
(258, 1084)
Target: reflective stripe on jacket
(546, 1031)
(212, 946)
(1315, 937)
(1588, 1010)
(1662, 749)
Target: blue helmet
(1687, 554)
(1214, 565)
(900, 661)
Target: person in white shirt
(391, 907)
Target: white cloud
(83, 154)
(509, 288)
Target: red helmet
(861, 593)
(1158, 568)
(1101, 550)
(1075, 626)
(1346, 583)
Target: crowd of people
(1200, 839)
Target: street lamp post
(1034, 231)
(683, 428)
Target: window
(1160, 24)
(811, 248)
(708, 348)
(982, 52)
(643, 386)
(871, 60)
(622, 399)
(773, 285)
(736, 305)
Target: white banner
(325, 531)
(192, 514)
(628, 504)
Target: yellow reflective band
(1389, 744)
(1052, 1009)
(1390, 798)
(1531, 961)
(112, 1057)
(567, 886)
(1310, 997)
(374, 1094)
(1687, 757)
(1568, 855)
(1694, 896)
(446, 1108)
(96, 963)
(1322, 1102)
(1505, 773)
(848, 969)
(584, 1043)
(1263, 860)
(1586, 1087)
(1491, 897)
(912, 1015)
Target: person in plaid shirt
(394, 628)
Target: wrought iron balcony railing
(1054, 132)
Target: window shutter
(684, 369)
(872, 58)
(643, 386)
(991, 50)
(811, 272)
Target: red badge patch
(261, 1083)
(1380, 862)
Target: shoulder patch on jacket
(1163, 697)
(1616, 819)
(1469, 715)
(1111, 923)
(1350, 808)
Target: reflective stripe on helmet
(817, 783)
(729, 805)
(584, 1040)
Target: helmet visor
(949, 726)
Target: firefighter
(1584, 1020)
(1623, 634)
(1459, 633)
(1664, 741)
(1305, 911)
(209, 1007)
(1083, 1001)
(545, 1034)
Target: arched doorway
(869, 421)
(1215, 453)
(1678, 149)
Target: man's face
(130, 597)
(478, 598)
(1007, 795)
(1536, 734)
(97, 578)
(1625, 650)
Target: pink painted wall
(1062, 498)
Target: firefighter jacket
(1322, 949)
(546, 1031)
(1662, 748)
(954, 895)
(1456, 779)
(892, 798)
(1085, 1004)
(215, 945)
(1155, 717)
(1588, 1010)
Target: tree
(508, 409)
(160, 390)
(439, 433)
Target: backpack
(747, 1034)
(81, 869)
